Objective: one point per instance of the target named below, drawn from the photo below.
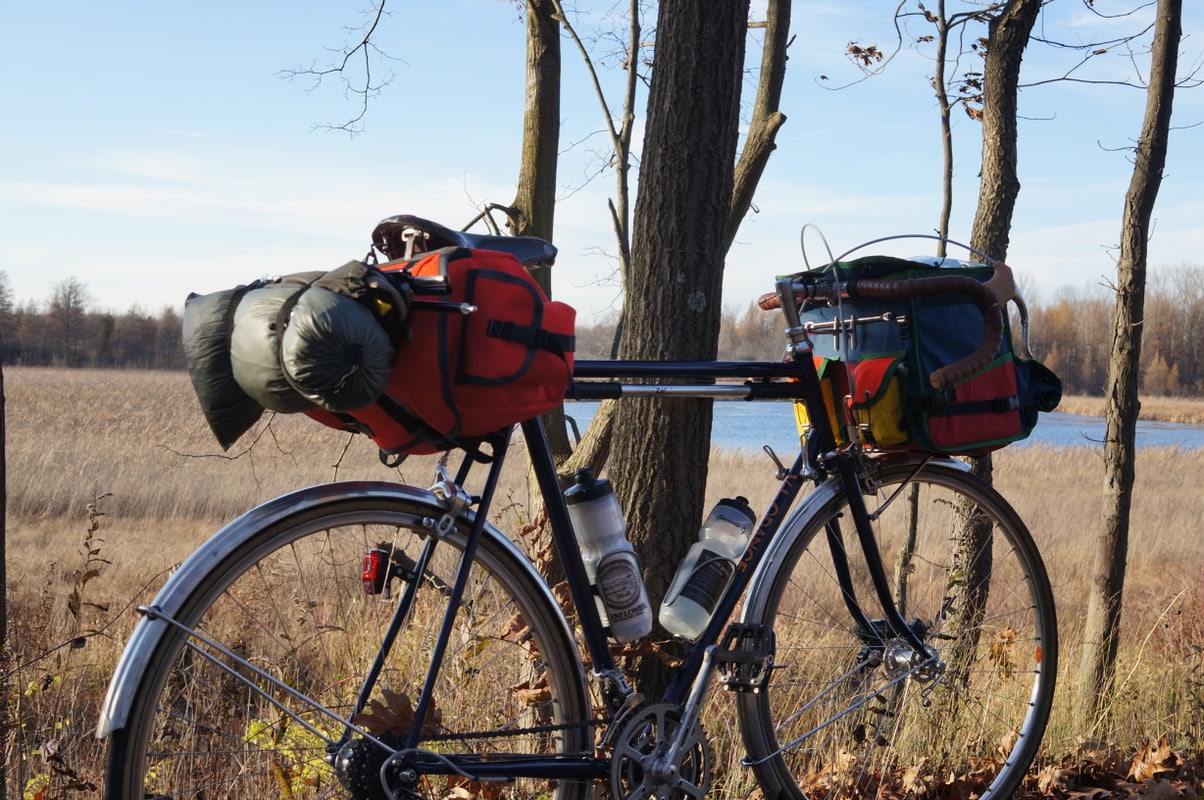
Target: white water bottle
(610, 560)
(707, 568)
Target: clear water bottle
(707, 568)
(610, 560)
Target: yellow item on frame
(877, 401)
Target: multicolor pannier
(875, 375)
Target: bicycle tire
(289, 601)
(848, 714)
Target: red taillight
(376, 569)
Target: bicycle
(896, 630)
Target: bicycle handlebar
(989, 297)
(983, 297)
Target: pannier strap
(531, 336)
(413, 424)
(942, 405)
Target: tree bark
(533, 211)
(6, 728)
(672, 303)
(1101, 636)
(766, 120)
(999, 185)
(1008, 35)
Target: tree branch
(365, 89)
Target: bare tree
(68, 309)
(673, 301)
(6, 727)
(1007, 37)
(1101, 635)
(765, 121)
(533, 210)
(361, 53)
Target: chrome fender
(115, 710)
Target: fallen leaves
(396, 716)
(1098, 772)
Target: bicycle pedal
(745, 657)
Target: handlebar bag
(902, 341)
(458, 376)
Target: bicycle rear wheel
(249, 691)
(854, 710)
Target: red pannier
(457, 376)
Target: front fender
(130, 669)
(810, 505)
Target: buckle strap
(531, 336)
(946, 405)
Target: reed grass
(73, 436)
(1185, 410)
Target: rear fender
(132, 666)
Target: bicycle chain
(566, 726)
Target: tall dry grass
(74, 436)
(1185, 410)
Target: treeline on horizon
(1070, 333)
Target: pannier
(875, 375)
(353, 349)
(461, 376)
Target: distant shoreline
(1185, 410)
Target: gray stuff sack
(296, 343)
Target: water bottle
(707, 568)
(610, 560)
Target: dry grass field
(135, 446)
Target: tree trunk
(672, 303)
(6, 728)
(999, 186)
(534, 208)
(1008, 34)
(944, 109)
(1101, 636)
(766, 120)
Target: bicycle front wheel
(255, 687)
(853, 708)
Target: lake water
(747, 426)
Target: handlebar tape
(983, 297)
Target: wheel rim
(968, 709)
(297, 611)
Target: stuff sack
(878, 376)
(207, 322)
(460, 376)
(301, 342)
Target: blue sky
(151, 149)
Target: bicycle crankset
(642, 767)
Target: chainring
(642, 741)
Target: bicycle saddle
(404, 236)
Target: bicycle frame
(740, 653)
(602, 380)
